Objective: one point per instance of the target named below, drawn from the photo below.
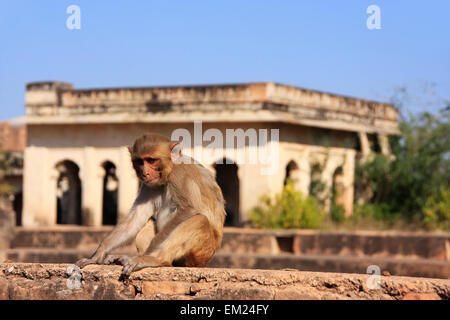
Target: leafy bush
(437, 210)
(412, 185)
(289, 210)
(375, 211)
(337, 213)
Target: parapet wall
(284, 103)
(399, 253)
(50, 281)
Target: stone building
(12, 145)
(78, 170)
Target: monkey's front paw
(129, 265)
(97, 258)
(112, 259)
(83, 262)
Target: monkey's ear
(130, 149)
(175, 153)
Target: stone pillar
(333, 162)
(92, 188)
(383, 141)
(51, 195)
(265, 177)
(39, 188)
(348, 171)
(304, 172)
(28, 193)
(365, 145)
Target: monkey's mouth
(151, 181)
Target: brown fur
(145, 236)
(191, 204)
(191, 243)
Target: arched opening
(110, 191)
(316, 186)
(292, 173)
(337, 193)
(338, 186)
(17, 206)
(228, 181)
(68, 193)
(338, 183)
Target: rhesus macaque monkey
(183, 199)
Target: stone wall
(12, 138)
(48, 282)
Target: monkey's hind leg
(145, 236)
(191, 243)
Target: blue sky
(321, 45)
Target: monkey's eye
(138, 162)
(151, 160)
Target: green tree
(420, 170)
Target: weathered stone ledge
(49, 281)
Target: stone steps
(399, 253)
(59, 237)
(49, 255)
(332, 263)
(323, 263)
(245, 240)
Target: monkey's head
(152, 156)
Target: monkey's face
(151, 155)
(149, 170)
